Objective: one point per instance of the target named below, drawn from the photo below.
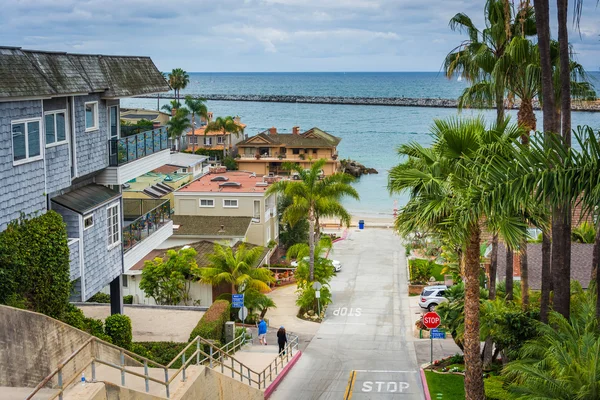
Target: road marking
(350, 386)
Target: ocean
(370, 134)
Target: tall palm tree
(228, 126)
(197, 107)
(440, 181)
(178, 79)
(173, 105)
(177, 125)
(311, 196)
(236, 268)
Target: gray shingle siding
(92, 147)
(75, 271)
(70, 218)
(23, 185)
(101, 265)
(58, 173)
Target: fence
(131, 148)
(146, 224)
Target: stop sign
(431, 320)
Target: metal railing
(214, 357)
(146, 224)
(124, 150)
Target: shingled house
(61, 149)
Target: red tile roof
(246, 180)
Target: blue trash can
(361, 224)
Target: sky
(263, 35)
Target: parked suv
(431, 296)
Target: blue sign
(237, 300)
(437, 334)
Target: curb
(424, 382)
(269, 390)
(149, 306)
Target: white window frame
(220, 140)
(236, 203)
(255, 216)
(211, 200)
(108, 109)
(56, 141)
(90, 216)
(27, 159)
(96, 116)
(112, 244)
(209, 139)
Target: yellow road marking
(350, 386)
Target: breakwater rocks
(356, 169)
(369, 101)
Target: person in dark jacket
(281, 339)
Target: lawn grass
(445, 386)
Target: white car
(336, 264)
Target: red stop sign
(432, 320)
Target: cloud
(261, 35)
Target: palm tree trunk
(493, 267)
(596, 251)
(526, 119)
(524, 276)
(472, 345)
(509, 273)
(499, 104)
(546, 277)
(311, 243)
(224, 146)
(488, 353)
(193, 134)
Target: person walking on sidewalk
(281, 340)
(262, 332)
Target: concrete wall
(32, 345)
(23, 186)
(212, 385)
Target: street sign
(317, 286)
(431, 320)
(243, 313)
(237, 301)
(437, 334)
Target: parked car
(431, 296)
(336, 264)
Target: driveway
(364, 348)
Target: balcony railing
(138, 229)
(131, 148)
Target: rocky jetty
(371, 101)
(356, 169)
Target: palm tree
(584, 233)
(178, 124)
(228, 126)
(173, 105)
(237, 269)
(178, 79)
(197, 107)
(440, 180)
(311, 196)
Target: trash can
(361, 224)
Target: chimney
(273, 131)
(296, 130)
(173, 111)
(237, 119)
(210, 116)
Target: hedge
(75, 317)
(34, 264)
(118, 327)
(99, 298)
(162, 352)
(211, 325)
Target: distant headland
(366, 101)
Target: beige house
(200, 139)
(230, 194)
(134, 115)
(266, 152)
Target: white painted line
(385, 371)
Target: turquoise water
(370, 134)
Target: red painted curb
(269, 390)
(425, 387)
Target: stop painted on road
(374, 384)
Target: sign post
(432, 320)
(237, 301)
(317, 286)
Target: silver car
(431, 296)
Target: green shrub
(128, 299)
(162, 352)
(99, 298)
(34, 264)
(494, 388)
(421, 270)
(230, 163)
(211, 325)
(74, 317)
(118, 327)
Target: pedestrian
(262, 332)
(281, 340)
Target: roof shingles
(201, 225)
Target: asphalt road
(363, 349)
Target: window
(227, 203)
(193, 139)
(296, 151)
(88, 221)
(314, 151)
(113, 122)
(220, 140)
(257, 210)
(91, 116)
(54, 124)
(26, 141)
(208, 141)
(112, 219)
(268, 234)
(125, 283)
(207, 203)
